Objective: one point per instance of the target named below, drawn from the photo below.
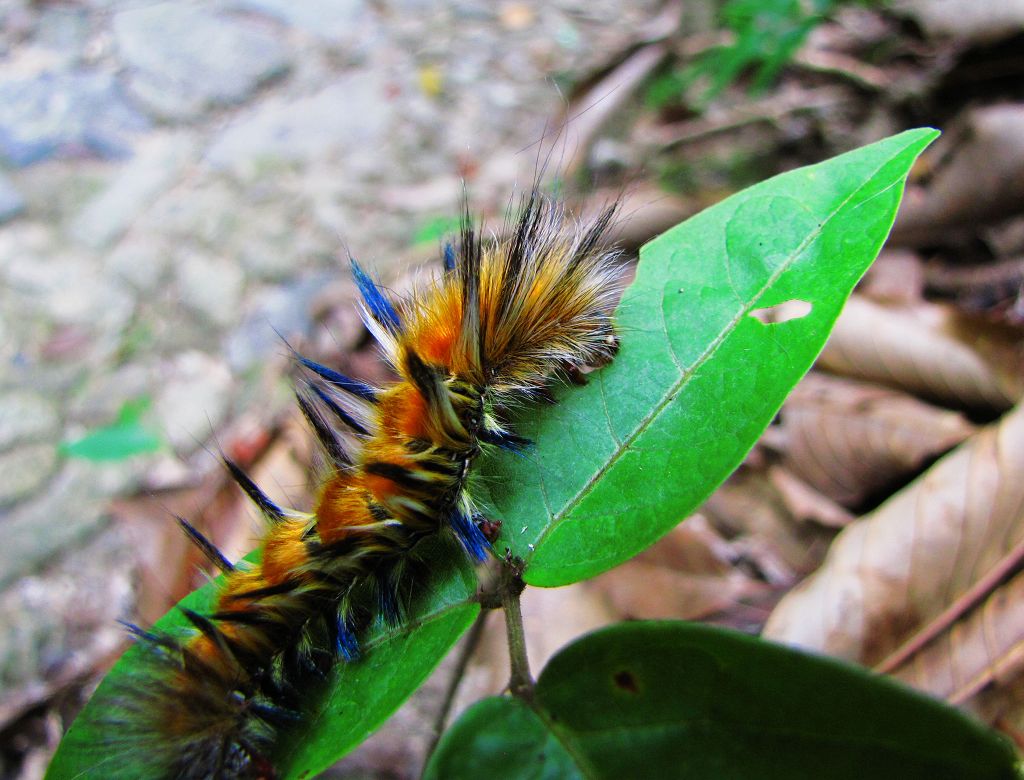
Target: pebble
(74, 496)
(63, 29)
(277, 241)
(102, 397)
(204, 213)
(7, 347)
(25, 469)
(11, 201)
(351, 115)
(73, 114)
(193, 399)
(334, 21)
(25, 415)
(183, 59)
(140, 261)
(156, 165)
(69, 291)
(210, 286)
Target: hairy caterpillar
(504, 318)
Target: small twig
(1010, 564)
(520, 683)
(768, 111)
(603, 100)
(836, 63)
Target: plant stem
(520, 683)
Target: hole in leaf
(626, 681)
(782, 312)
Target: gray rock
(69, 510)
(55, 190)
(275, 241)
(183, 59)
(25, 469)
(17, 20)
(330, 20)
(158, 163)
(69, 290)
(210, 286)
(193, 399)
(140, 261)
(263, 256)
(7, 347)
(64, 30)
(25, 415)
(351, 114)
(65, 114)
(206, 212)
(11, 201)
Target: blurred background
(181, 182)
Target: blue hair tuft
(380, 307)
(340, 381)
(471, 537)
(449, 256)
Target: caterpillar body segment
(502, 319)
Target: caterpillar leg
(489, 528)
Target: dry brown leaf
(896, 277)
(985, 648)
(930, 350)
(805, 502)
(752, 514)
(1005, 239)
(973, 20)
(920, 567)
(979, 177)
(786, 101)
(1003, 707)
(688, 575)
(995, 289)
(850, 440)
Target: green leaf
(122, 439)
(356, 697)
(620, 462)
(435, 229)
(497, 738)
(678, 700)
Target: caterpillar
(505, 318)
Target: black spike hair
(253, 491)
(206, 547)
(324, 433)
